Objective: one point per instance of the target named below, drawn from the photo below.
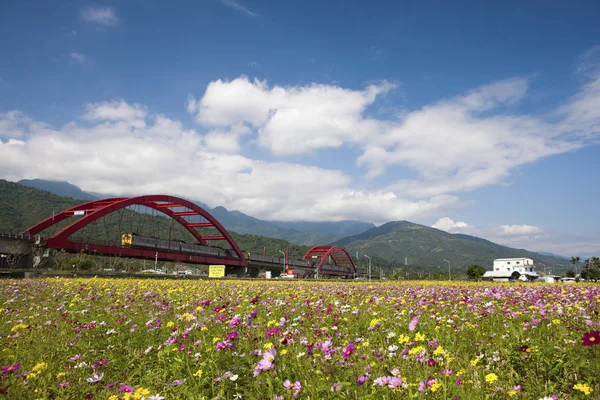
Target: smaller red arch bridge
(332, 260)
(103, 227)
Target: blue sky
(474, 117)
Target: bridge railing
(19, 236)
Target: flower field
(148, 339)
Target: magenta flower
(361, 380)
(446, 372)
(271, 332)
(126, 389)
(64, 384)
(100, 363)
(336, 387)
(349, 350)
(590, 338)
(10, 368)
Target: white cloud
(103, 16)
(524, 236)
(290, 120)
(238, 7)
(519, 230)
(454, 145)
(497, 233)
(119, 148)
(78, 57)
(116, 110)
(449, 225)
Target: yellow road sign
(216, 271)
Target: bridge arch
(93, 210)
(339, 255)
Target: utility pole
(369, 266)
(449, 271)
(283, 259)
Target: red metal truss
(338, 254)
(93, 210)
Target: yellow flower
(283, 352)
(187, 317)
(40, 367)
(61, 374)
(419, 337)
(170, 324)
(439, 351)
(267, 345)
(113, 397)
(512, 392)
(403, 339)
(556, 321)
(435, 386)
(204, 328)
(416, 350)
(216, 339)
(474, 362)
(140, 393)
(198, 373)
(365, 344)
(584, 388)
(374, 322)
(18, 326)
(491, 378)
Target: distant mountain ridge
(393, 241)
(426, 246)
(59, 188)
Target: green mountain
(428, 247)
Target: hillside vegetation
(429, 247)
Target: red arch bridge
(167, 228)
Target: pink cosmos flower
(395, 383)
(413, 323)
